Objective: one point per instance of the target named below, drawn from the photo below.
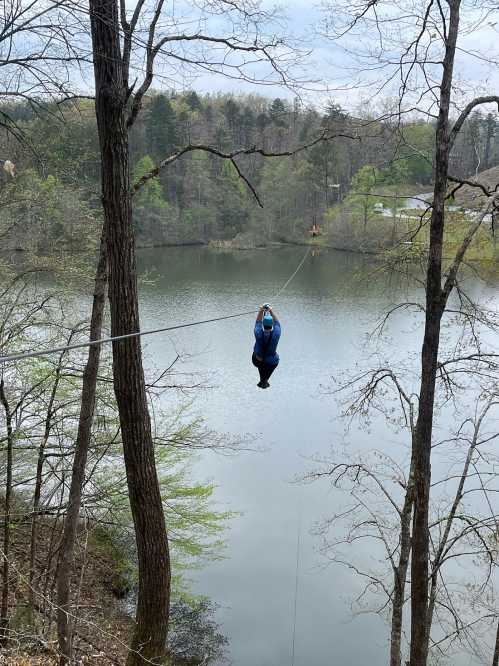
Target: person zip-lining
(315, 230)
(267, 334)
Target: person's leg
(271, 369)
(258, 364)
(266, 372)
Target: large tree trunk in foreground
(149, 637)
(429, 358)
(88, 393)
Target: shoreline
(227, 246)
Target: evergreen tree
(278, 113)
(248, 124)
(160, 124)
(193, 101)
(262, 122)
(184, 126)
(232, 199)
(223, 138)
(231, 112)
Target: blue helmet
(268, 322)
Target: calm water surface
(326, 316)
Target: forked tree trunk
(149, 638)
(87, 408)
(429, 358)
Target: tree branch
(492, 201)
(128, 30)
(471, 183)
(151, 52)
(230, 155)
(487, 99)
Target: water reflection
(327, 315)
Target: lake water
(327, 315)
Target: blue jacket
(266, 343)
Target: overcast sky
(328, 68)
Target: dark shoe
(265, 385)
(260, 385)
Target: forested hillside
(54, 200)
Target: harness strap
(266, 343)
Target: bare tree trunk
(4, 610)
(34, 519)
(39, 482)
(46, 608)
(434, 309)
(488, 141)
(439, 556)
(149, 639)
(495, 660)
(400, 573)
(89, 386)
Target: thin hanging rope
(101, 341)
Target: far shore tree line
(201, 197)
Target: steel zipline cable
(89, 343)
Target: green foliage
(195, 528)
(201, 198)
(347, 230)
(192, 99)
(418, 148)
(231, 199)
(160, 125)
(113, 545)
(285, 191)
(362, 195)
(278, 113)
(397, 173)
(68, 149)
(154, 217)
(230, 110)
(45, 215)
(151, 194)
(199, 219)
(365, 180)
